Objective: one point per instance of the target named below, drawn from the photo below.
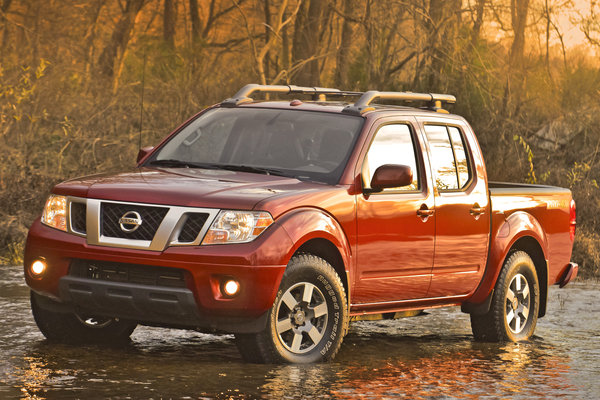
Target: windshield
(300, 144)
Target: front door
(395, 227)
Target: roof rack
(435, 100)
(363, 104)
(319, 93)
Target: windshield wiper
(173, 163)
(248, 168)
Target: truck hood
(186, 187)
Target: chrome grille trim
(166, 235)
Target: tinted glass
(442, 157)
(301, 144)
(462, 164)
(393, 144)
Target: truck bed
(541, 210)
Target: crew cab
(281, 221)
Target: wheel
(515, 303)
(78, 329)
(308, 320)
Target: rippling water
(426, 357)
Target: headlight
(55, 212)
(237, 226)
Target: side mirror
(143, 152)
(390, 176)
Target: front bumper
(258, 266)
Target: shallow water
(426, 357)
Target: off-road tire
(518, 275)
(71, 328)
(289, 341)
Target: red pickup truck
(283, 221)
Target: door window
(393, 144)
(449, 160)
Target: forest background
(526, 75)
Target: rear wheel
(76, 328)
(515, 303)
(308, 320)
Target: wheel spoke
(510, 295)
(510, 316)
(320, 310)
(296, 342)
(517, 323)
(284, 325)
(518, 283)
(315, 335)
(525, 312)
(308, 291)
(289, 300)
(525, 291)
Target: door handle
(424, 212)
(476, 211)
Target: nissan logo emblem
(130, 221)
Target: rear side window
(449, 160)
(393, 144)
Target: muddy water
(431, 356)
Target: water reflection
(441, 366)
(421, 358)
(370, 367)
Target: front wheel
(78, 329)
(308, 320)
(515, 303)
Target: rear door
(462, 209)
(395, 227)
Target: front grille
(128, 273)
(151, 218)
(78, 218)
(192, 227)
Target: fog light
(231, 288)
(38, 267)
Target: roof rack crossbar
(363, 104)
(319, 93)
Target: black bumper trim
(148, 305)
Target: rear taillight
(572, 219)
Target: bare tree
(195, 19)
(308, 28)
(519, 10)
(4, 6)
(115, 48)
(279, 23)
(169, 22)
(344, 51)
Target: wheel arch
(316, 232)
(326, 250)
(518, 231)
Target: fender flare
(305, 224)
